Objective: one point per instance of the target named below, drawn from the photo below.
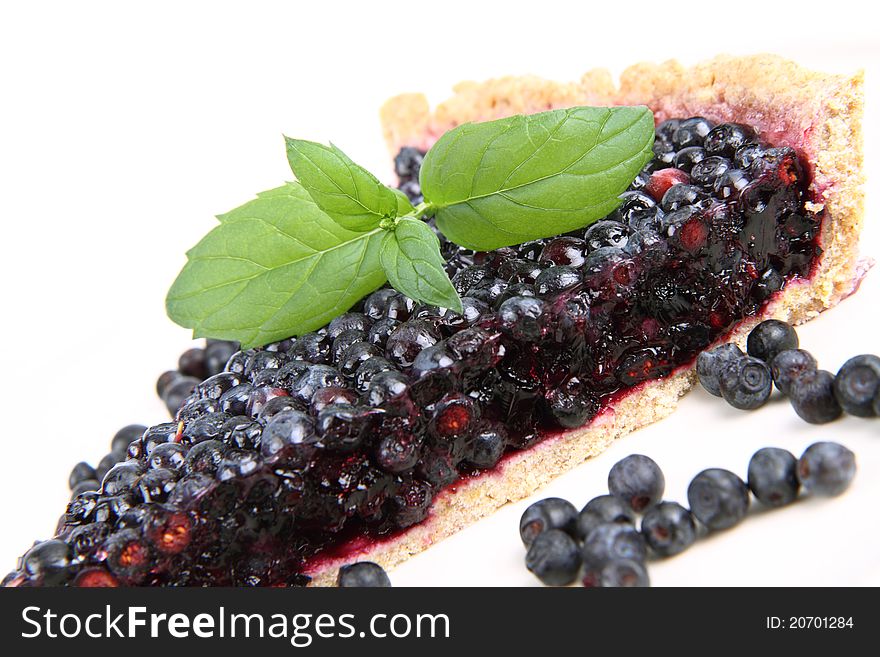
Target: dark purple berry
(668, 528)
(554, 558)
(789, 365)
(718, 498)
(362, 574)
(637, 481)
(826, 468)
(544, 515)
(773, 476)
(711, 363)
(857, 384)
(770, 337)
(746, 383)
(612, 541)
(812, 397)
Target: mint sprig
(525, 177)
(412, 262)
(348, 193)
(274, 266)
(297, 256)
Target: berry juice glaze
(303, 454)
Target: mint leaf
(274, 267)
(346, 192)
(412, 262)
(505, 182)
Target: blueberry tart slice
(398, 423)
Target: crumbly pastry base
(819, 114)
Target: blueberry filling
(282, 455)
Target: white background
(124, 127)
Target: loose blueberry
(544, 515)
(637, 481)
(857, 385)
(770, 337)
(363, 574)
(711, 363)
(554, 558)
(668, 528)
(773, 476)
(602, 510)
(618, 573)
(812, 397)
(746, 383)
(789, 365)
(826, 468)
(613, 541)
(718, 498)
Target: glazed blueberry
(385, 386)
(770, 337)
(686, 158)
(554, 558)
(680, 196)
(554, 280)
(168, 455)
(48, 562)
(286, 429)
(812, 397)
(520, 318)
(487, 447)
(707, 171)
(691, 132)
(363, 574)
(637, 481)
(606, 233)
(711, 363)
(826, 468)
(746, 383)
(668, 528)
(348, 321)
(857, 384)
(773, 476)
(565, 251)
(125, 436)
(613, 541)
(544, 515)
(718, 498)
(789, 365)
(618, 573)
(571, 404)
(727, 138)
(602, 510)
(730, 183)
(408, 340)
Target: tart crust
(818, 114)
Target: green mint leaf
(412, 262)
(505, 182)
(275, 267)
(346, 192)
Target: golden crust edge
(838, 164)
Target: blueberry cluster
(608, 546)
(350, 431)
(745, 381)
(194, 366)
